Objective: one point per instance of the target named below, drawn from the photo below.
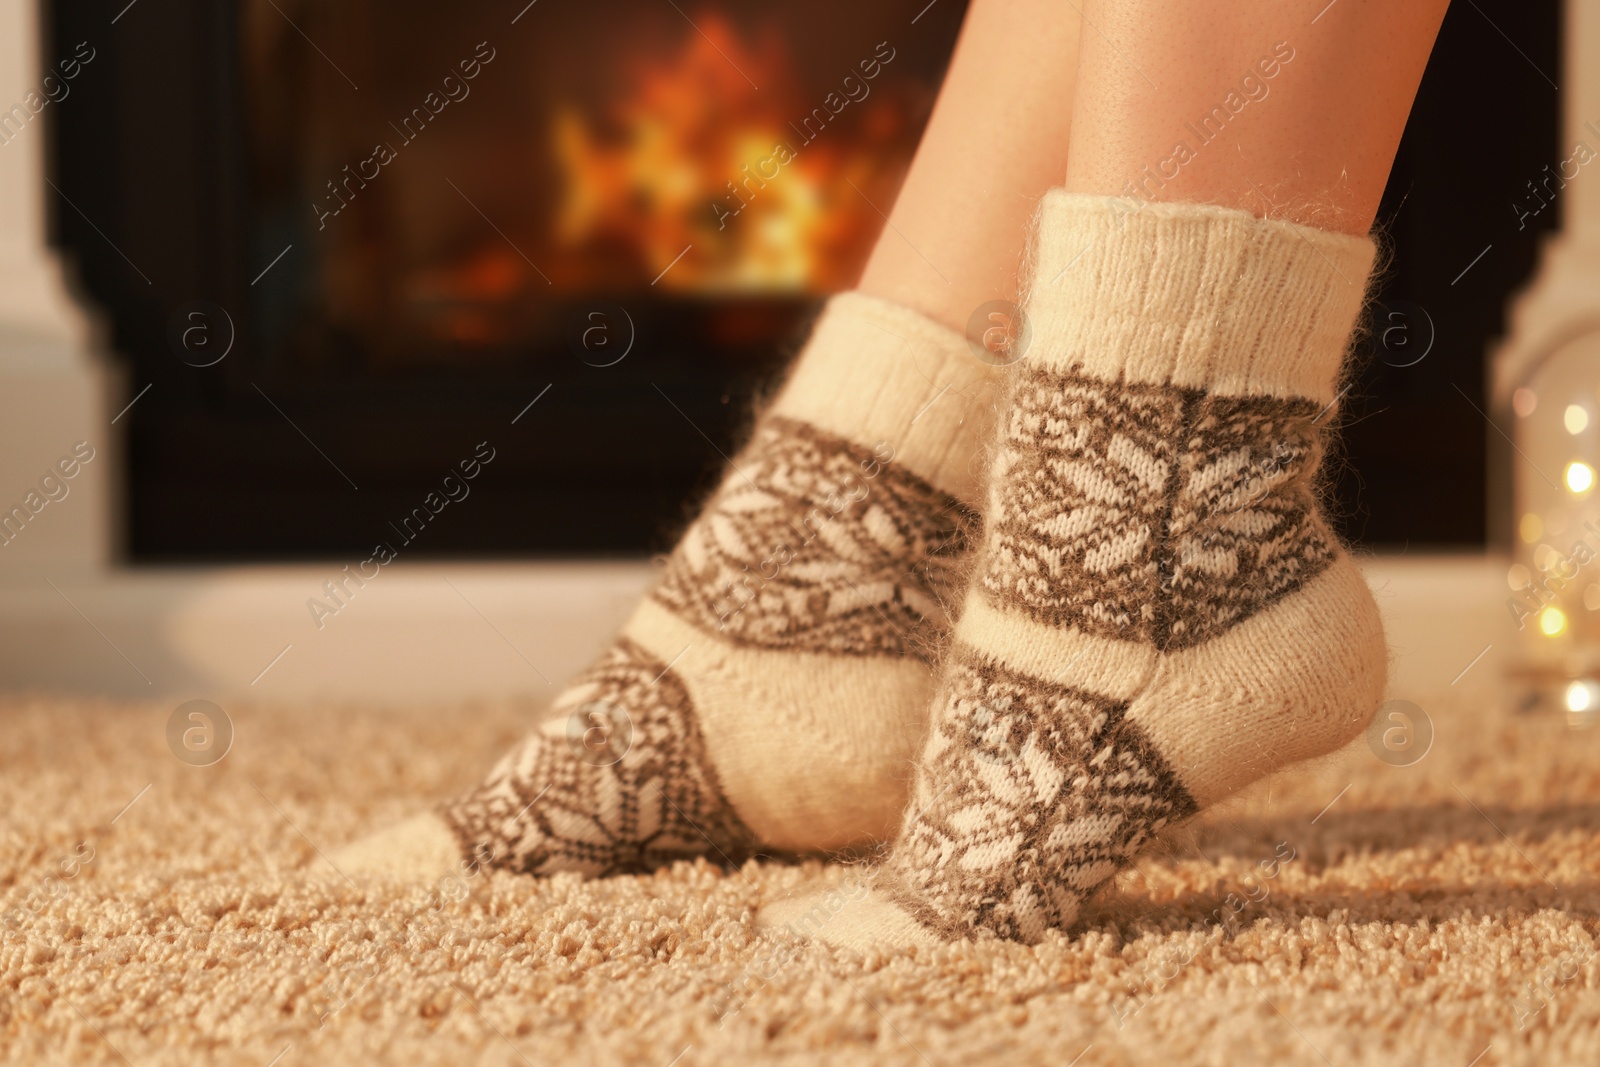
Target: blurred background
(396, 313)
(272, 269)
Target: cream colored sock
(1159, 615)
(771, 691)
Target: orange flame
(695, 157)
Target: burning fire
(722, 186)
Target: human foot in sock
(772, 689)
(1159, 615)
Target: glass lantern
(1554, 577)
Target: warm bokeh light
(1580, 476)
(1575, 418)
(1531, 528)
(1580, 696)
(1552, 621)
(1517, 577)
(1523, 401)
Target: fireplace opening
(476, 193)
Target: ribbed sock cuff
(875, 372)
(1194, 295)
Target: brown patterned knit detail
(627, 787)
(1245, 529)
(817, 544)
(1029, 795)
(1149, 512)
(1081, 481)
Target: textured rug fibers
(155, 912)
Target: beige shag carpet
(157, 913)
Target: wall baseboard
(418, 635)
(445, 633)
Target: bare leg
(996, 142)
(1315, 149)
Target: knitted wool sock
(1159, 615)
(772, 689)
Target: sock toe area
(862, 922)
(421, 847)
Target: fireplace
(364, 237)
(343, 245)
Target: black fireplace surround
(289, 406)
